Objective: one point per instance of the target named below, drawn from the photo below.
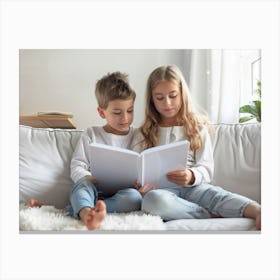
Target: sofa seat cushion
(219, 224)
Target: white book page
(160, 160)
(114, 168)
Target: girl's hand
(143, 189)
(181, 177)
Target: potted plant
(253, 109)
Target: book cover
(55, 113)
(116, 168)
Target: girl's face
(168, 101)
(119, 116)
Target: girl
(170, 117)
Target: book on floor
(116, 168)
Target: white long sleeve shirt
(80, 163)
(201, 161)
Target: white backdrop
(64, 80)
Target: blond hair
(113, 86)
(187, 117)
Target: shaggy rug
(50, 218)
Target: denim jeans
(194, 202)
(85, 194)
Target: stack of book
(52, 119)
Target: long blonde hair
(187, 117)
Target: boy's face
(119, 116)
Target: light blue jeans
(85, 194)
(194, 202)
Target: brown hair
(113, 86)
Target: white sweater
(80, 163)
(201, 162)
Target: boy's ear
(101, 112)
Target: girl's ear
(101, 112)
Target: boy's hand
(181, 177)
(90, 178)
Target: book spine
(141, 170)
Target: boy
(115, 99)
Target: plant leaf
(258, 105)
(250, 109)
(259, 89)
(253, 108)
(245, 119)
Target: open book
(116, 168)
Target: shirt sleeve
(137, 139)
(203, 167)
(80, 163)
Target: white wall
(64, 80)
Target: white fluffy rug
(50, 218)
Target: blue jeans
(194, 202)
(85, 194)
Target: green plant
(253, 109)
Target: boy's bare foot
(34, 203)
(92, 217)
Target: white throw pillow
(237, 157)
(44, 164)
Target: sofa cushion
(44, 164)
(237, 158)
(218, 224)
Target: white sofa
(44, 169)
